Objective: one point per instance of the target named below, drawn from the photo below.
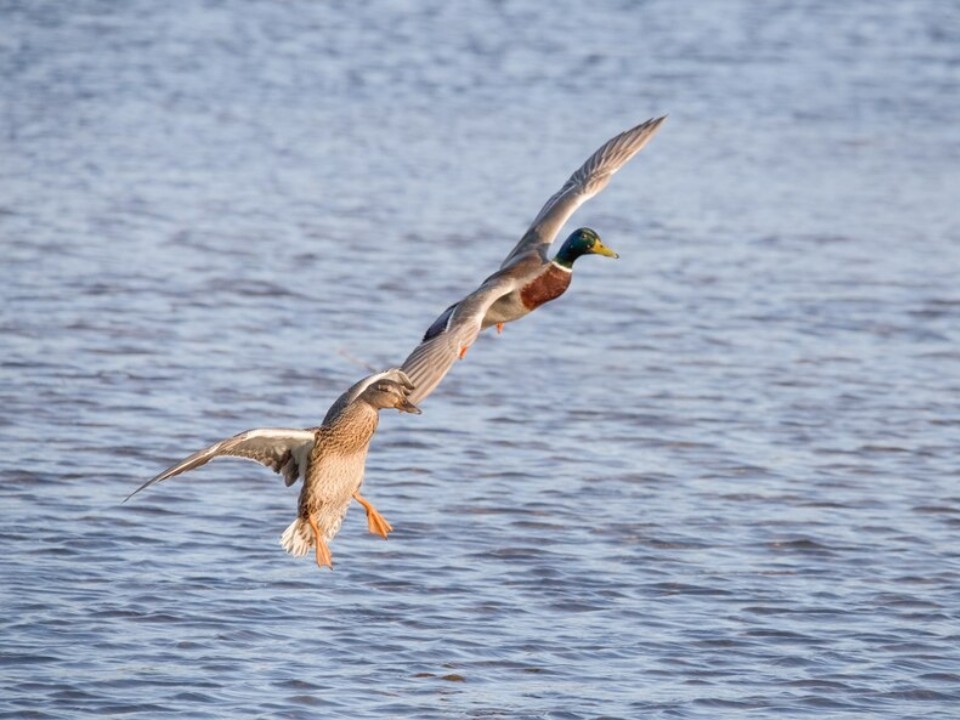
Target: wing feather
(283, 450)
(587, 181)
(432, 359)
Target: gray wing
(283, 450)
(430, 361)
(354, 391)
(591, 178)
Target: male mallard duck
(329, 458)
(527, 278)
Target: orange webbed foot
(324, 558)
(376, 523)
(499, 328)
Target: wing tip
(145, 485)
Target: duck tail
(297, 539)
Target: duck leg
(376, 523)
(323, 552)
(499, 328)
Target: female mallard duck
(329, 458)
(528, 278)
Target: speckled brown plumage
(330, 459)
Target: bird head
(391, 392)
(582, 241)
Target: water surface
(718, 477)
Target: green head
(582, 242)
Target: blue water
(718, 478)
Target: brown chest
(349, 433)
(548, 286)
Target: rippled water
(720, 476)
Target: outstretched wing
(591, 178)
(444, 344)
(283, 450)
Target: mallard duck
(330, 459)
(528, 277)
